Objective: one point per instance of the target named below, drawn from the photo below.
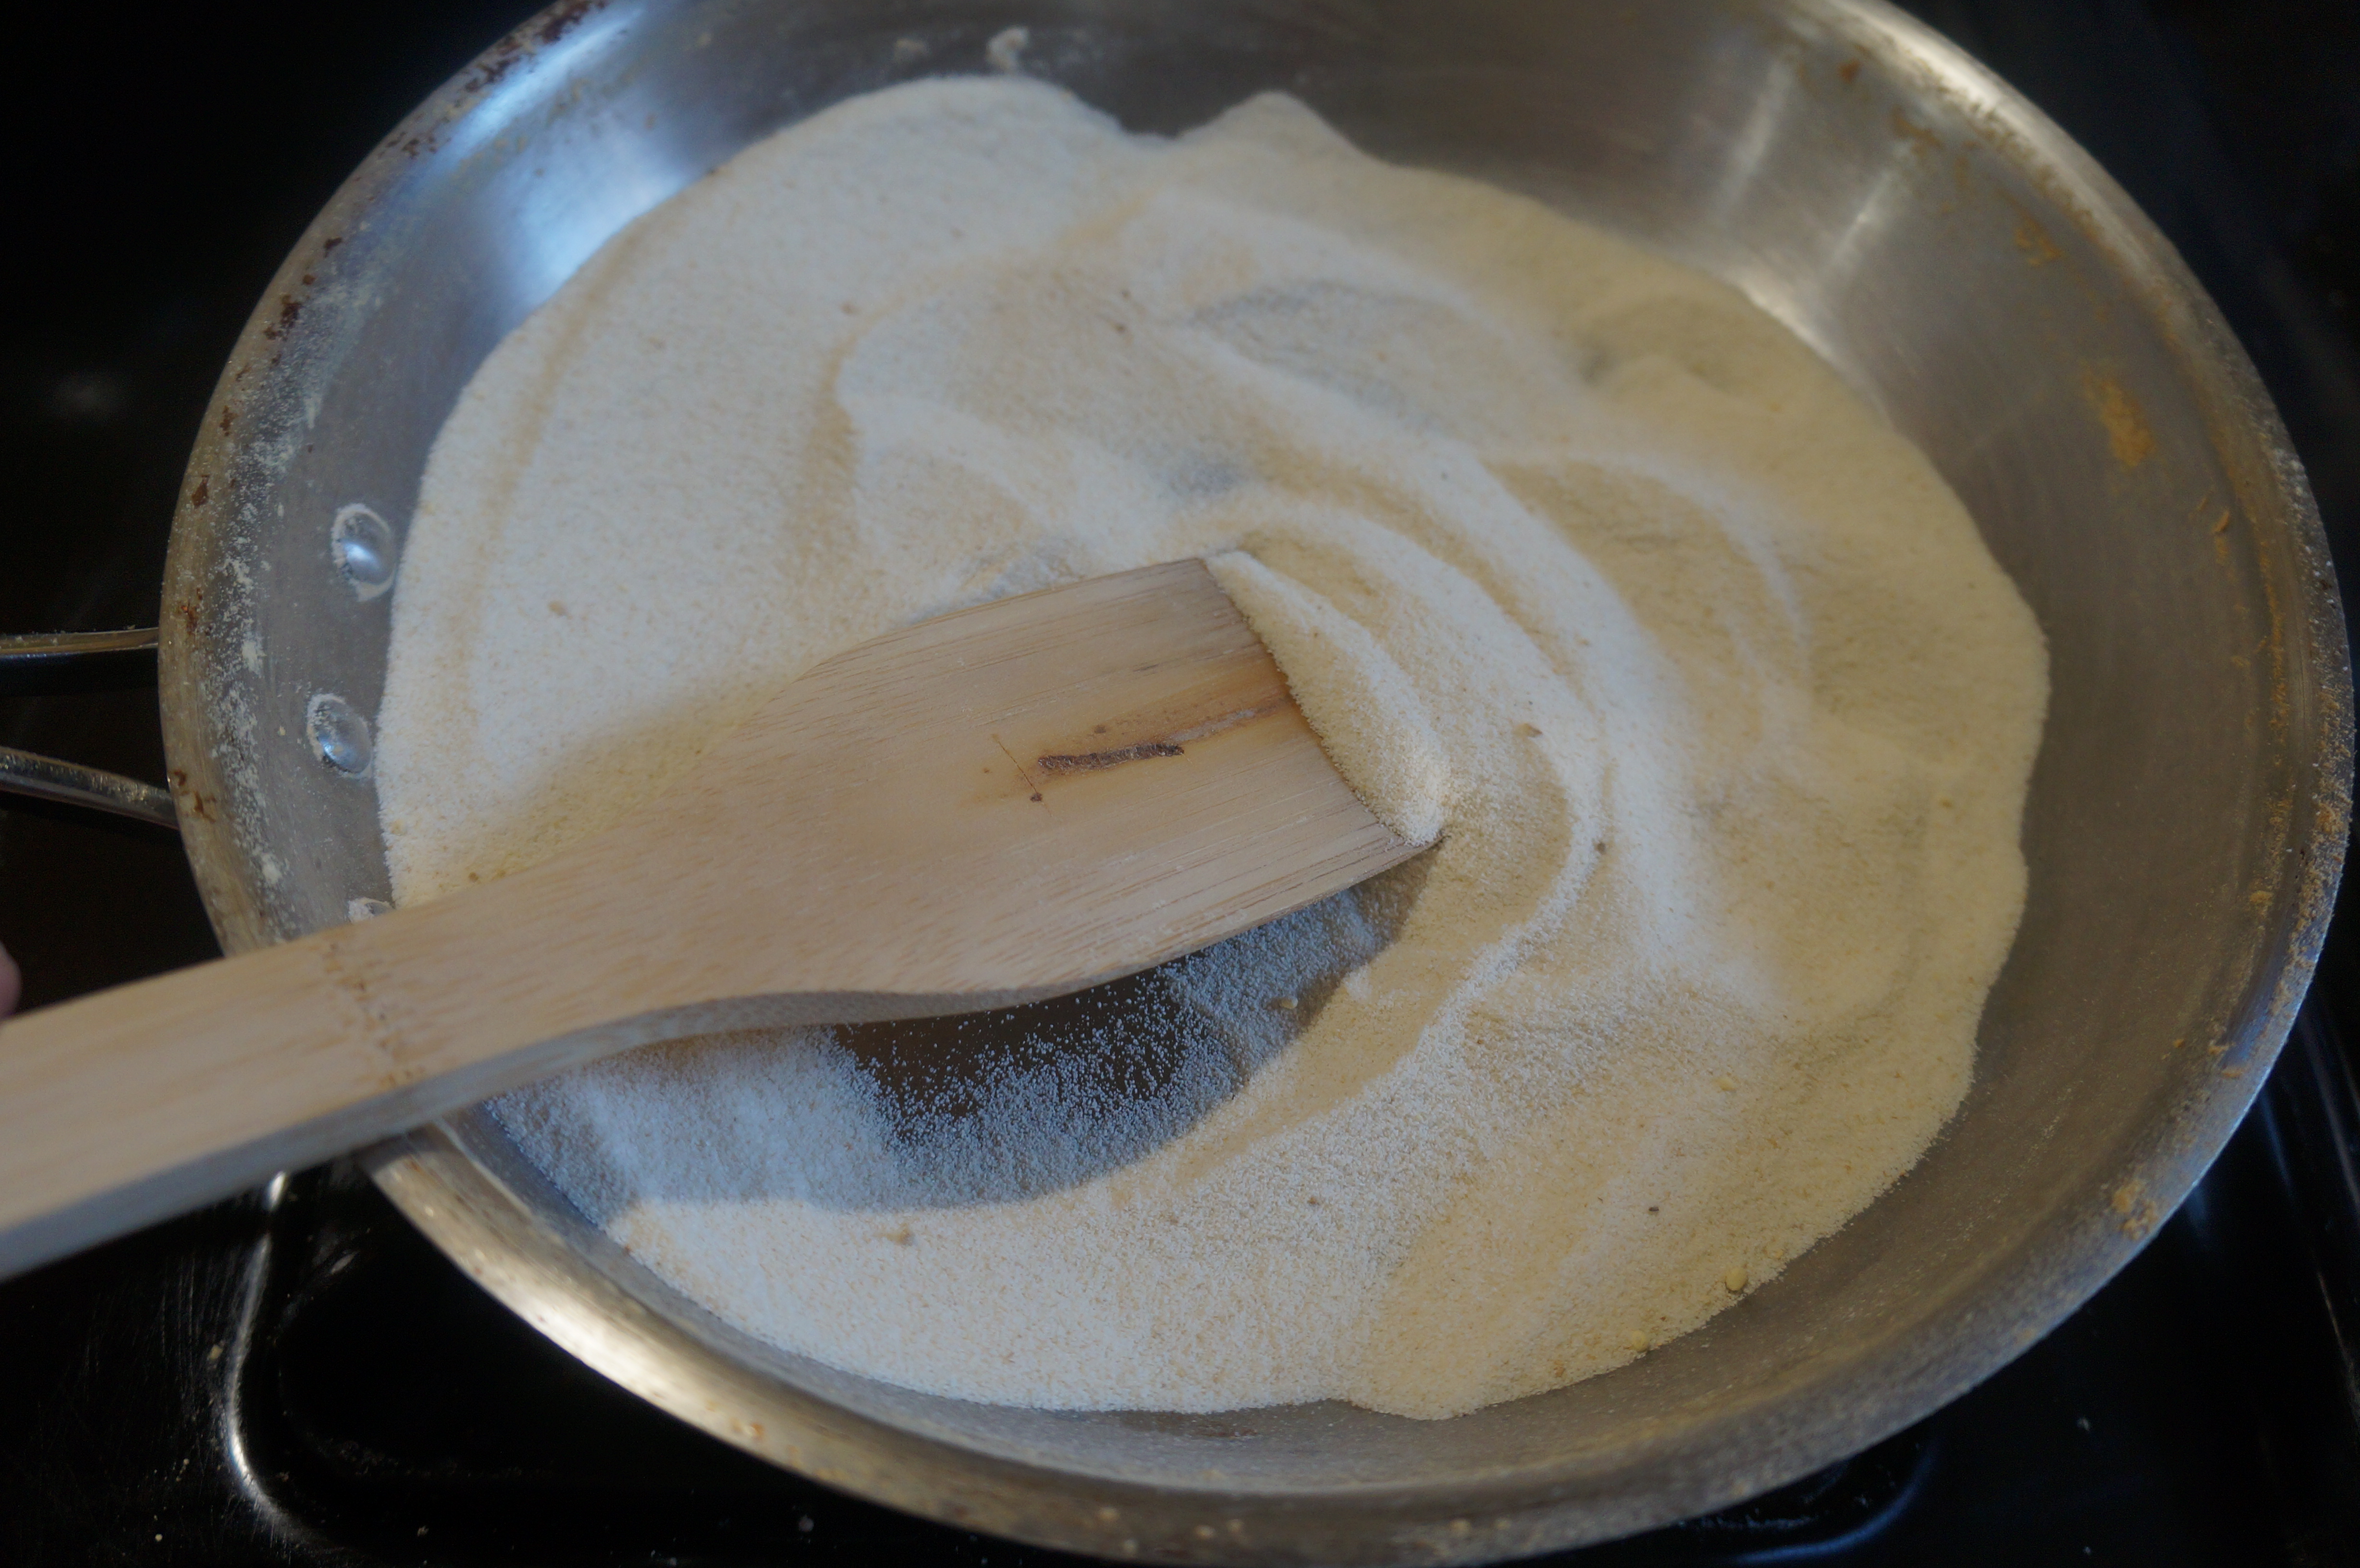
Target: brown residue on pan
(192, 803)
(516, 47)
(566, 20)
(2033, 240)
(1848, 71)
(1092, 761)
(505, 55)
(2126, 427)
(2139, 1212)
(203, 491)
(1903, 126)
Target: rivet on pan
(363, 545)
(339, 735)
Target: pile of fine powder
(1716, 708)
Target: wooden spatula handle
(1002, 804)
(135, 1104)
(124, 1107)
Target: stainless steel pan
(1944, 245)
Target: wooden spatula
(1016, 801)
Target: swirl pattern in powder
(1718, 712)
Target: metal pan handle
(62, 662)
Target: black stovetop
(296, 1377)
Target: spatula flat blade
(1033, 795)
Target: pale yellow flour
(1721, 710)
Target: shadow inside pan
(944, 1113)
